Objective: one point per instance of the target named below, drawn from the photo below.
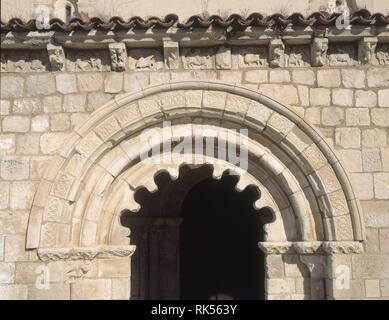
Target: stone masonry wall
(347, 102)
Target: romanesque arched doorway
(197, 238)
(95, 176)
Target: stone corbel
(85, 253)
(56, 57)
(366, 50)
(319, 48)
(118, 53)
(171, 54)
(276, 53)
(223, 58)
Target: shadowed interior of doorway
(197, 238)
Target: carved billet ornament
(85, 253)
(171, 53)
(276, 53)
(312, 247)
(56, 57)
(118, 53)
(319, 48)
(366, 50)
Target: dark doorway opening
(219, 242)
(197, 238)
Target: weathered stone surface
(312, 115)
(27, 106)
(384, 240)
(365, 99)
(51, 142)
(348, 137)
(113, 83)
(286, 94)
(328, 78)
(371, 159)
(378, 77)
(74, 103)
(376, 213)
(66, 83)
(5, 106)
(279, 76)
(363, 185)
(7, 144)
(303, 77)
(380, 117)
(60, 122)
(383, 98)
(16, 124)
(385, 158)
(332, 116)
(11, 87)
(256, 76)
(14, 168)
(342, 97)
(40, 123)
(352, 78)
(352, 159)
(357, 117)
(135, 81)
(381, 185)
(15, 246)
(372, 244)
(52, 104)
(22, 194)
(374, 137)
(90, 82)
(320, 97)
(27, 144)
(34, 85)
(372, 288)
(370, 267)
(7, 273)
(13, 292)
(276, 286)
(91, 289)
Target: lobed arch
(95, 174)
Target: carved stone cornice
(85, 253)
(312, 247)
(343, 247)
(94, 39)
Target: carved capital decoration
(85, 253)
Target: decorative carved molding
(276, 247)
(342, 247)
(118, 53)
(85, 253)
(312, 247)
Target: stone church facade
(76, 96)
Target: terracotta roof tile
(235, 21)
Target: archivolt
(94, 176)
